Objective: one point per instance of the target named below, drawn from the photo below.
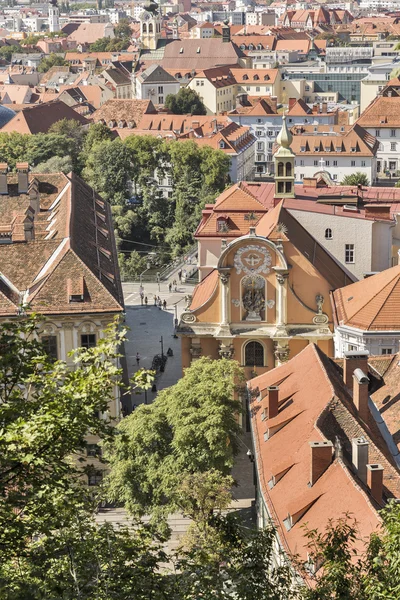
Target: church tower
(54, 17)
(150, 26)
(284, 163)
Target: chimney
(3, 178)
(360, 393)
(324, 107)
(359, 452)
(272, 404)
(375, 481)
(292, 102)
(353, 361)
(321, 458)
(22, 170)
(273, 102)
(315, 109)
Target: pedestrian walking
(170, 287)
(159, 304)
(145, 300)
(180, 275)
(155, 300)
(165, 305)
(184, 275)
(137, 358)
(174, 284)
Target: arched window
(254, 354)
(288, 169)
(328, 234)
(144, 28)
(150, 27)
(280, 169)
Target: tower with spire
(54, 17)
(284, 163)
(150, 25)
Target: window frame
(349, 254)
(253, 363)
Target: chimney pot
(3, 178)
(352, 361)
(23, 183)
(360, 448)
(361, 394)
(272, 401)
(292, 102)
(321, 458)
(375, 481)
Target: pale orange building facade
(268, 296)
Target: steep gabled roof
(38, 118)
(372, 303)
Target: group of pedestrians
(160, 303)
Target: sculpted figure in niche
(253, 298)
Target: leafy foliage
(116, 44)
(185, 102)
(190, 428)
(357, 178)
(52, 60)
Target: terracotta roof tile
(372, 303)
(204, 290)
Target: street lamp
(148, 265)
(158, 280)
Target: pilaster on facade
(224, 275)
(195, 349)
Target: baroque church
(269, 295)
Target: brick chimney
(273, 102)
(292, 102)
(321, 458)
(315, 109)
(324, 108)
(375, 481)
(3, 178)
(360, 393)
(352, 361)
(22, 170)
(359, 451)
(272, 404)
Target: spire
(284, 138)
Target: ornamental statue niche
(253, 297)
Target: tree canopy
(52, 60)
(357, 178)
(185, 102)
(191, 428)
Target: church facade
(268, 296)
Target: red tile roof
(372, 303)
(316, 406)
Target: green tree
(131, 265)
(123, 29)
(56, 164)
(52, 60)
(110, 45)
(186, 101)
(97, 132)
(40, 433)
(107, 170)
(190, 428)
(357, 178)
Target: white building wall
(156, 92)
(345, 230)
(348, 339)
(389, 148)
(337, 166)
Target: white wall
(337, 166)
(385, 152)
(376, 342)
(345, 230)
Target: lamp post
(158, 280)
(148, 265)
(162, 347)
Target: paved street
(148, 324)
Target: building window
(392, 165)
(386, 350)
(351, 348)
(93, 450)
(334, 176)
(315, 163)
(363, 163)
(160, 99)
(393, 146)
(335, 163)
(50, 346)
(328, 234)
(353, 163)
(257, 89)
(349, 253)
(88, 340)
(260, 145)
(392, 133)
(95, 478)
(254, 354)
(377, 133)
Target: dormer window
(222, 225)
(111, 124)
(245, 77)
(266, 77)
(256, 78)
(198, 50)
(338, 148)
(76, 289)
(259, 47)
(302, 149)
(180, 50)
(121, 124)
(222, 145)
(353, 149)
(316, 148)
